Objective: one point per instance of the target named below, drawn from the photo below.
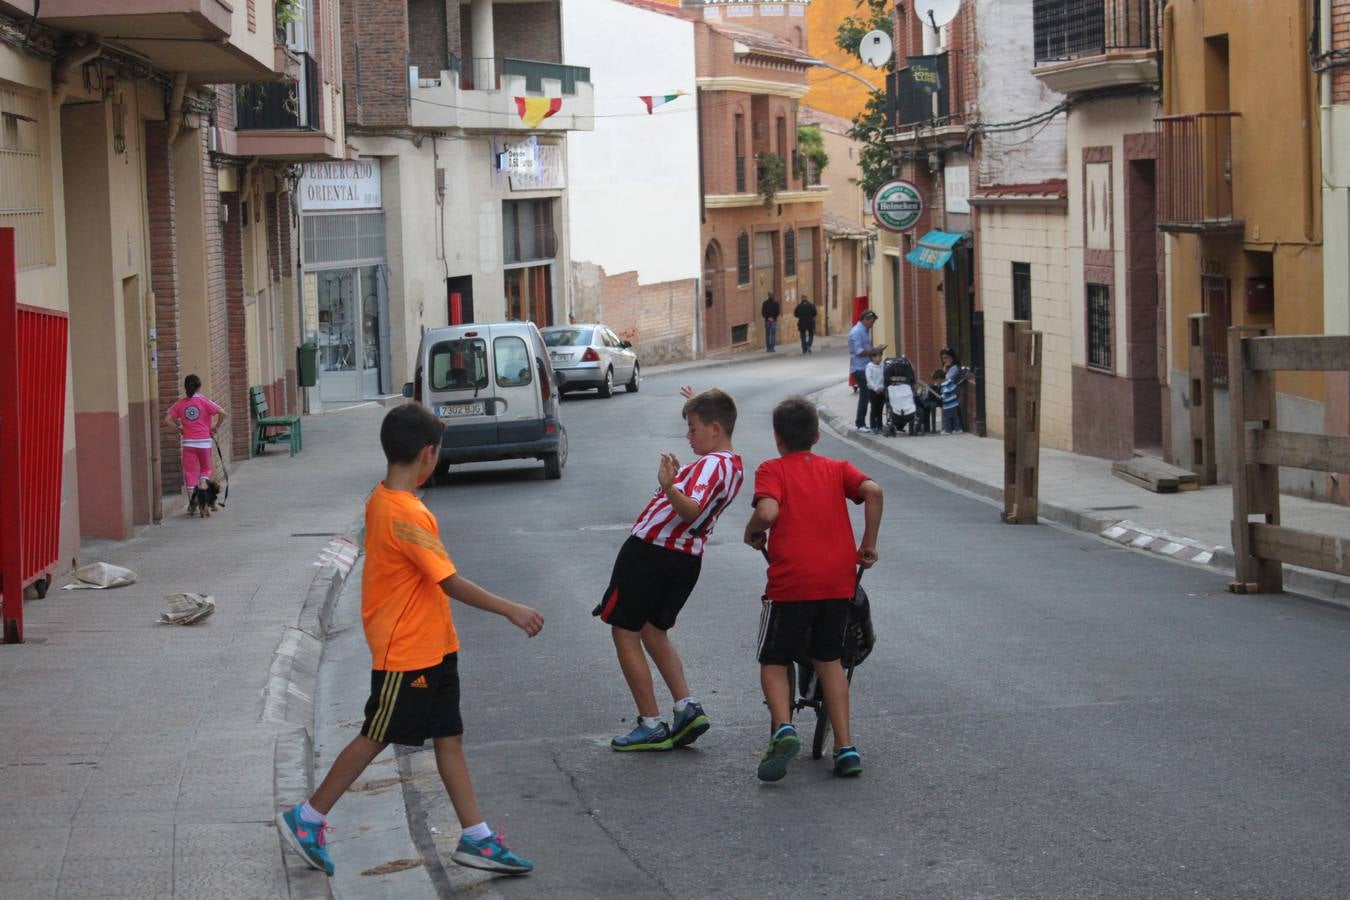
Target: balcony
(924, 100)
(1195, 194)
(482, 94)
(1087, 45)
(286, 119)
(210, 40)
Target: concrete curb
(1313, 585)
(289, 697)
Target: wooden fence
(1260, 543)
(1021, 422)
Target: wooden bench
(271, 429)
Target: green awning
(935, 249)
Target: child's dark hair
(712, 406)
(408, 430)
(947, 351)
(796, 423)
(938, 373)
(191, 385)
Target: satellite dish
(936, 12)
(876, 49)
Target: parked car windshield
(459, 365)
(567, 337)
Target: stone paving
(136, 759)
(1080, 491)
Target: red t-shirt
(812, 553)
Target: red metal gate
(33, 346)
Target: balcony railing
(1069, 29)
(740, 174)
(1196, 193)
(280, 105)
(927, 91)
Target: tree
(869, 126)
(811, 147)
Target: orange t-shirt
(405, 612)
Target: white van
(494, 387)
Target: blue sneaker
(690, 724)
(308, 840)
(490, 853)
(644, 738)
(847, 762)
(782, 747)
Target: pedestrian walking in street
(801, 521)
(875, 377)
(414, 648)
(951, 392)
(197, 418)
(770, 311)
(859, 343)
(658, 566)
(805, 313)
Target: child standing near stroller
(951, 393)
(875, 376)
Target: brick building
(758, 237)
(458, 113)
(122, 131)
(1333, 36)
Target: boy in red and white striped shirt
(658, 566)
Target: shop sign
(521, 159)
(898, 205)
(350, 184)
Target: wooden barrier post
(1203, 461)
(1021, 422)
(1256, 486)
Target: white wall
(633, 182)
(1009, 92)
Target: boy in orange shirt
(414, 685)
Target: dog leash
(224, 473)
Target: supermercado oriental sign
(898, 205)
(351, 184)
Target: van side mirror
(408, 389)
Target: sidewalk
(1080, 492)
(148, 760)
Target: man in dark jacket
(770, 310)
(806, 323)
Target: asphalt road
(1045, 715)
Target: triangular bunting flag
(534, 110)
(659, 100)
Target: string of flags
(534, 110)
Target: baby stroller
(929, 403)
(900, 409)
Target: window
(1021, 291)
(512, 361)
(25, 198)
(789, 253)
(743, 258)
(567, 337)
(527, 230)
(1099, 326)
(459, 365)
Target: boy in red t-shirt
(800, 502)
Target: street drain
(312, 534)
(1110, 508)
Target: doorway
(1141, 303)
(715, 334)
(350, 344)
(529, 294)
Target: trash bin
(307, 362)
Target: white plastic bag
(185, 608)
(99, 575)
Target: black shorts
(409, 707)
(790, 628)
(649, 586)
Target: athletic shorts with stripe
(789, 629)
(410, 707)
(649, 585)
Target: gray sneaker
(782, 747)
(644, 738)
(690, 724)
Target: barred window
(743, 258)
(1099, 326)
(789, 253)
(25, 183)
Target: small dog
(204, 498)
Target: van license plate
(452, 410)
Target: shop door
(371, 345)
(350, 345)
(766, 269)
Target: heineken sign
(897, 205)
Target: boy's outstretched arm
(530, 621)
(871, 495)
(761, 520)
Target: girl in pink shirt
(196, 419)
